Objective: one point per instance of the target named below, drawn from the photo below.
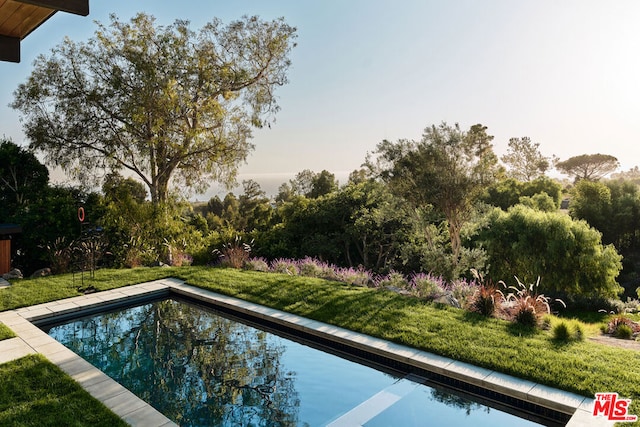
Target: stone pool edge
(30, 339)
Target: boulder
(13, 274)
(448, 299)
(43, 272)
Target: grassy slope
(582, 367)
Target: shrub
(462, 290)
(257, 264)
(524, 305)
(567, 331)
(578, 332)
(427, 286)
(286, 266)
(622, 327)
(561, 332)
(60, 255)
(623, 332)
(235, 253)
(311, 267)
(525, 314)
(570, 252)
(486, 300)
(352, 276)
(392, 280)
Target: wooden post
(5, 256)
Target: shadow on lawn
(519, 330)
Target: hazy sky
(566, 73)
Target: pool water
(200, 368)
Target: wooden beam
(77, 7)
(9, 49)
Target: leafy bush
(257, 264)
(427, 286)
(622, 327)
(392, 280)
(286, 266)
(570, 252)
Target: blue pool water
(200, 368)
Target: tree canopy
(524, 160)
(447, 168)
(591, 167)
(166, 103)
(22, 176)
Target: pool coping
(30, 339)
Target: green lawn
(5, 332)
(580, 367)
(28, 292)
(34, 392)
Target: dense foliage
(167, 104)
(590, 167)
(366, 224)
(421, 207)
(447, 169)
(567, 255)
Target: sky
(566, 74)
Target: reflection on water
(201, 369)
(195, 368)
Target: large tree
(22, 176)
(524, 160)
(447, 168)
(591, 167)
(166, 103)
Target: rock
(159, 264)
(43, 272)
(13, 274)
(397, 290)
(448, 299)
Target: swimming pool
(199, 367)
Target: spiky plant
(525, 306)
(234, 253)
(487, 299)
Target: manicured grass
(5, 332)
(28, 292)
(581, 367)
(34, 392)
